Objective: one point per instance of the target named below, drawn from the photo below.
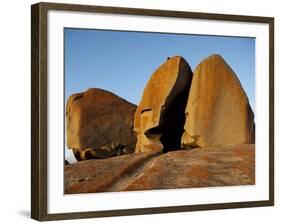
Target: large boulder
(218, 110)
(159, 118)
(200, 167)
(99, 124)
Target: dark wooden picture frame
(39, 149)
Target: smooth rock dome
(218, 110)
(99, 123)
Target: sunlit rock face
(218, 110)
(160, 116)
(99, 125)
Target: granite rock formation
(159, 118)
(218, 110)
(199, 167)
(99, 125)
(189, 130)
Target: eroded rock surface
(100, 175)
(159, 118)
(218, 111)
(199, 167)
(99, 125)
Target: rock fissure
(120, 182)
(189, 130)
(160, 116)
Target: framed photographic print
(140, 111)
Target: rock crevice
(180, 109)
(160, 117)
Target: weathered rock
(200, 167)
(160, 115)
(218, 111)
(105, 151)
(99, 124)
(99, 175)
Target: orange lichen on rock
(200, 167)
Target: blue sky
(122, 62)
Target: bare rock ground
(199, 167)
